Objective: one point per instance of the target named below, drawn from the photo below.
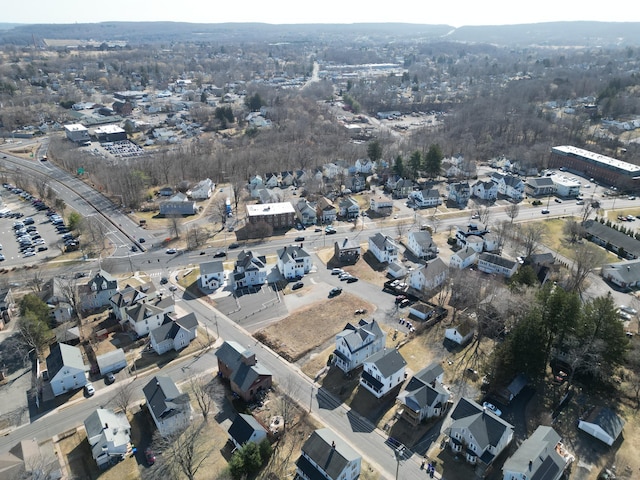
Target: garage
(111, 361)
(602, 423)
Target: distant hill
(551, 34)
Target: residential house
(424, 396)
(306, 212)
(383, 247)
(55, 294)
(301, 178)
(477, 433)
(293, 261)
(402, 188)
(246, 429)
(111, 361)
(287, 178)
(97, 292)
(174, 334)
(250, 270)
(170, 409)
(539, 186)
(429, 276)
(625, 275)
(492, 263)
(541, 456)
(130, 296)
(459, 193)
(239, 365)
(211, 275)
(396, 270)
(165, 191)
(464, 257)
(509, 185)
(429, 197)
(179, 204)
(202, 190)
(421, 310)
(66, 369)
(602, 423)
(349, 208)
(255, 181)
(485, 190)
(356, 183)
(271, 180)
(347, 251)
(365, 166)
(462, 332)
(326, 211)
(471, 234)
(356, 343)
(325, 455)
(108, 434)
(144, 317)
(383, 371)
(381, 205)
(421, 245)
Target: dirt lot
(292, 338)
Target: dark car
(335, 291)
(42, 248)
(297, 285)
(164, 280)
(234, 245)
(299, 239)
(149, 456)
(141, 240)
(545, 211)
(352, 279)
(220, 253)
(134, 248)
(109, 378)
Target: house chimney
(333, 444)
(106, 426)
(530, 464)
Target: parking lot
(29, 232)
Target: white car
(493, 408)
(629, 310)
(29, 254)
(171, 251)
(89, 390)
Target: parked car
(234, 245)
(164, 280)
(337, 271)
(89, 390)
(335, 291)
(171, 251)
(352, 279)
(299, 239)
(493, 408)
(109, 378)
(629, 310)
(297, 286)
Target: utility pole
(311, 400)
(399, 453)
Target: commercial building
(278, 215)
(77, 133)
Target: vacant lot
(310, 327)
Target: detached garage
(111, 361)
(603, 424)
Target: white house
(383, 371)
(477, 433)
(97, 291)
(542, 455)
(293, 261)
(326, 210)
(424, 396)
(170, 409)
(509, 185)
(174, 334)
(426, 198)
(464, 258)
(246, 429)
(349, 208)
(108, 434)
(306, 212)
(211, 275)
(202, 190)
(355, 343)
(459, 193)
(462, 332)
(250, 270)
(602, 423)
(66, 368)
(365, 166)
(421, 244)
(326, 455)
(144, 317)
(491, 263)
(429, 276)
(383, 248)
(129, 296)
(485, 190)
(381, 204)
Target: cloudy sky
(451, 12)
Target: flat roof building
(77, 133)
(278, 215)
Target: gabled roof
(497, 260)
(291, 252)
(243, 427)
(208, 268)
(170, 328)
(163, 397)
(486, 427)
(140, 311)
(114, 426)
(358, 337)
(329, 452)
(383, 242)
(537, 457)
(539, 182)
(63, 355)
(434, 268)
(422, 238)
(387, 362)
(613, 236)
(608, 420)
(102, 277)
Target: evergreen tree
(433, 161)
(374, 151)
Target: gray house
(179, 204)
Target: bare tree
(501, 231)
(287, 407)
(573, 230)
(512, 210)
(220, 211)
(183, 453)
(196, 236)
(586, 258)
(586, 211)
(175, 225)
(36, 282)
(69, 290)
(123, 395)
(201, 387)
(402, 228)
(485, 214)
(435, 222)
(530, 237)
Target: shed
(111, 361)
(603, 424)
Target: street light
(399, 453)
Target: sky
(450, 12)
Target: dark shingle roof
(243, 427)
(163, 396)
(485, 426)
(329, 452)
